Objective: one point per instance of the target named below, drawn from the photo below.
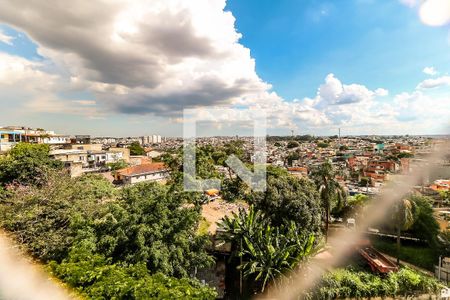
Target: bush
(346, 283)
(293, 144)
(95, 277)
(322, 145)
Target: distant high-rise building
(151, 139)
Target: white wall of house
(113, 156)
(155, 176)
(56, 140)
(6, 146)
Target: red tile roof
(142, 169)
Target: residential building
(145, 172)
(11, 135)
(300, 172)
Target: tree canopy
(139, 242)
(27, 164)
(292, 199)
(136, 149)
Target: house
(141, 173)
(8, 139)
(87, 147)
(299, 172)
(11, 135)
(125, 153)
(441, 185)
(71, 155)
(153, 153)
(79, 161)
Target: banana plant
(269, 252)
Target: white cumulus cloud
(4, 38)
(434, 82)
(142, 56)
(435, 12)
(430, 71)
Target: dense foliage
(425, 225)
(27, 164)
(288, 198)
(139, 242)
(269, 252)
(344, 283)
(136, 149)
(120, 164)
(95, 277)
(233, 189)
(292, 144)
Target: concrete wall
(87, 147)
(148, 177)
(125, 153)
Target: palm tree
(403, 218)
(331, 192)
(268, 252)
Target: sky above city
(129, 68)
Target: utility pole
(339, 136)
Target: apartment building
(141, 173)
(11, 135)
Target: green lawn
(420, 256)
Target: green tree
(136, 149)
(403, 219)
(219, 157)
(148, 224)
(47, 219)
(405, 155)
(288, 198)
(291, 157)
(364, 182)
(292, 144)
(322, 145)
(95, 277)
(236, 148)
(205, 166)
(27, 164)
(268, 252)
(331, 192)
(424, 225)
(233, 189)
(120, 164)
(354, 206)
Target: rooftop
(142, 169)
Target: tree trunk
(327, 219)
(398, 246)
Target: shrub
(344, 283)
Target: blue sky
(377, 43)
(130, 69)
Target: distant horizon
(312, 135)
